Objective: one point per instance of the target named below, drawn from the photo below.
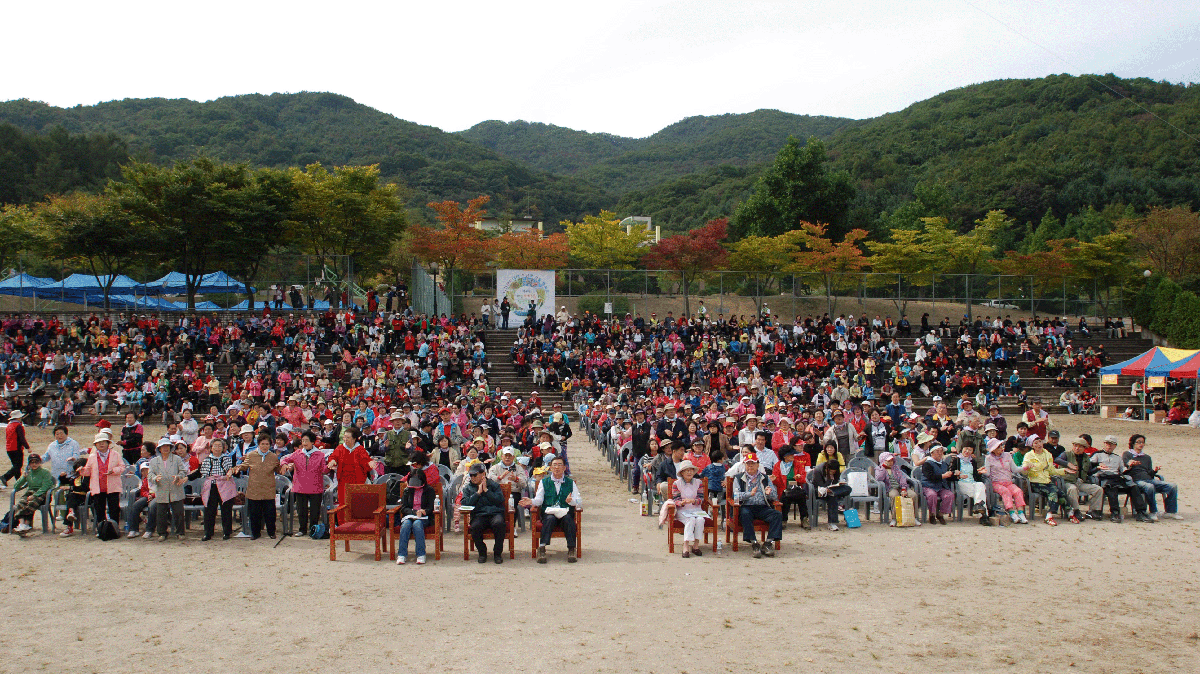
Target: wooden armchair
(394, 518)
(733, 522)
(469, 545)
(674, 526)
(535, 532)
(361, 518)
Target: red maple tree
(698, 251)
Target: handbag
(903, 512)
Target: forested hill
(618, 164)
(1058, 143)
(297, 129)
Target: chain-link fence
(788, 296)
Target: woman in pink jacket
(104, 468)
(308, 467)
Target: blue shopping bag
(852, 520)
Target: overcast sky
(627, 67)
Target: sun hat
(685, 465)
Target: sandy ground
(1097, 597)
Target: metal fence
(426, 295)
(792, 295)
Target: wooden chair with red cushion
(469, 545)
(535, 530)
(361, 518)
(394, 519)
(674, 526)
(733, 523)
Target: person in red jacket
(16, 444)
(352, 464)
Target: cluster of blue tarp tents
(125, 293)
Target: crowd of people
(844, 358)
(327, 400)
(340, 397)
(810, 453)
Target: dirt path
(1096, 598)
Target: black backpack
(107, 531)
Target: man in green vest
(556, 490)
(396, 451)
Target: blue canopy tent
(217, 282)
(148, 303)
(23, 285)
(200, 306)
(82, 288)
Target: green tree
(765, 256)
(797, 188)
(600, 241)
(1164, 302)
(17, 224)
(929, 200)
(1184, 328)
(349, 212)
(261, 223)
(190, 214)
(907, 256)
(92, 230)
(1106, 262)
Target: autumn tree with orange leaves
(530, 250)
(831, 263)
(457, 244)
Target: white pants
(974, 490)
(692, 526)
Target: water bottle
(437, 504)
(720, 548)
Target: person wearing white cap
(999, 466)
(104, 468)
(508, 471)
(688, 497)
(167, 474)
(242, 444)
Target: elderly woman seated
(894, 482)
(687, 496)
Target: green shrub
(1184, 329)
(594, 302)
(1164, 302)
(1143, 301)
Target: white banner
(522, 286)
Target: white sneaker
(1153, 517)
(1175, 516)
(892, 523)
(131, 534)
(421, 559)
(147, 535)
(401, 560)
(833, 527)
(23, 527)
